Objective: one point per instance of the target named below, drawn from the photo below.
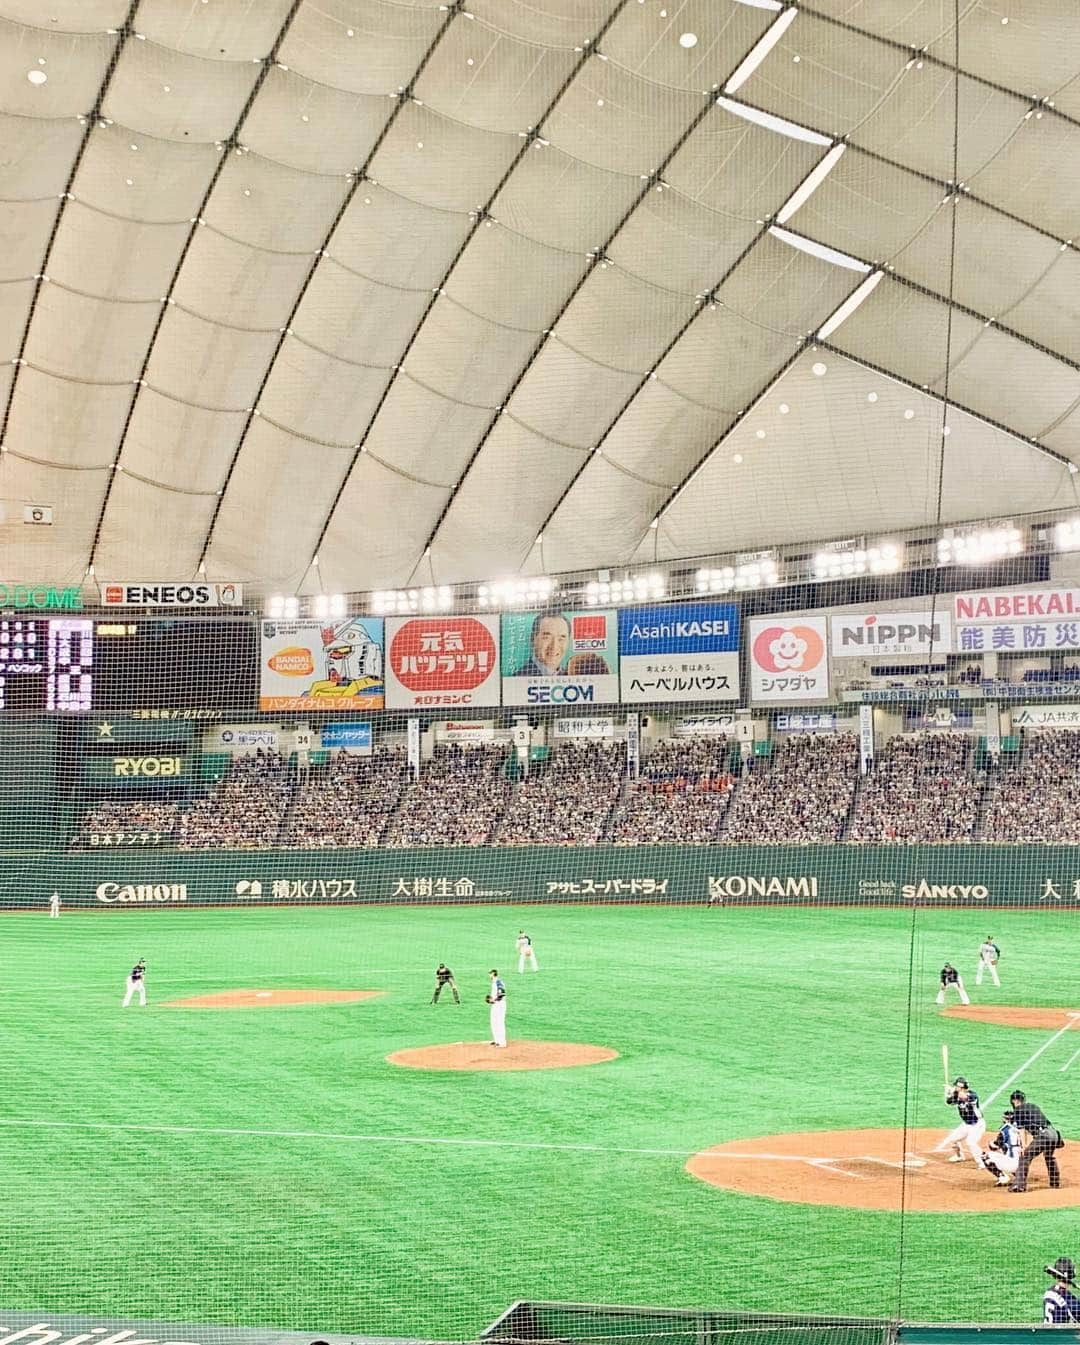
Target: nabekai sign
(39, 598)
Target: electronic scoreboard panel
(47, 664)
(84, 665)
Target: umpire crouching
(1045, 1140)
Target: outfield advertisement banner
(1017, 619)
(350, 737)
(788, 659)
(859, 634)
(434, 661)
(965, 877)
(679, 652)
(191, 596)
(560, 658)
(306, 665)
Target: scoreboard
(83, 665)
(47, 664)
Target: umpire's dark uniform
(1045, 1139)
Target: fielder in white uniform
(54, 906)
(496, 998)
(972, 1127)
(525, 951)
(136, 981)
(989, 953)
(1002, 1158)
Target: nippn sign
(856, 635)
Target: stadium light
(761, 49)
(979, 548)
(282, 608)
(884, 559)
(1067, 534)
(406, 601)
(328, 605)
(749, 574)
(516, 592)
(600, 592)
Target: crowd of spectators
(1037, 799)
(458, 799)
(245, 811)
(923, 789)
(682, 796)
(569, 799)
(801, 793)
(349, 801)
(143, 821)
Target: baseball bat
(945, 1062)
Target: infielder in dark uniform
(445, 977)
(1045, 1140)
(951, 977)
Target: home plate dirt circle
(269, 999)
(1007, 1015)
(875, 1170)
(481, 1055)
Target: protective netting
(745, 332)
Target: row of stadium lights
(978, 547)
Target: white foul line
(1074, 1018)
(1068, 1062)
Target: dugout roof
(407, 286)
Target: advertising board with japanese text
(1017, 620)
(679, 652)
(435, 661)
(560, 658)
(788, 659)
(308, 665)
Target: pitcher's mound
(876, 1170)
(1005, 1015)
(269, 999)
(477, 1055)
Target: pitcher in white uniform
(989, 953)
(525, 951)
(496, 998)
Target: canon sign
(891, 633)
(141, 894)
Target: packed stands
(800, 794)
(1037, 799)
(349, 801)
(570, 800)
(682, 796)
(457, 800)
(245, 811)
(923, 789)
(153, 819)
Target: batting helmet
(960, 1082)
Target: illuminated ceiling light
(980, 547)
(516, 592)
(1067, 535)
(818, 369)
(688, 40)
(871, 396)
(280, 607)
(328, 605)
(909, 414)
(774, 5)
(36, 76)
(770, 122)
(736, 458)
(784, 408)
(850, 304)
(810, 183)
(759, 434)
(761, 49)
(600, 592)
(819, 250)
(845, 562)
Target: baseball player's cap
(1062, 1269)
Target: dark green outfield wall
(969, 876)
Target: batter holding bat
(972, 1127)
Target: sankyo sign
(31, 598)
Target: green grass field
(267, 1167)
